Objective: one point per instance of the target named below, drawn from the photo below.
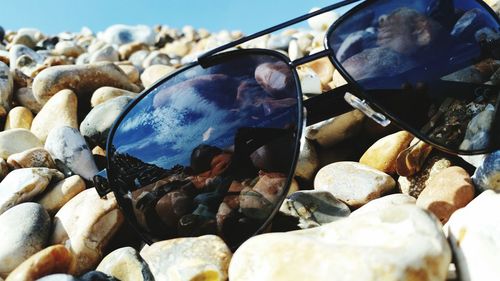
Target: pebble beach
(367, 202)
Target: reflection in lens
(209, 150)
(433, 65)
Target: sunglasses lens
(208, 150)
(432, 65)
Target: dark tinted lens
(208, 151)
(433, 65)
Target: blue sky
(54, 16)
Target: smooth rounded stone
(383, 153)
(24, 97)
(19, 117)
(126, 50)
(385, 202)
(6, 86)
(4, 56)
(414, 185)
(61, 193)
(31, 158)
(58, 277)
(105, 94)
(83, 59)
(108, 53)
(59, 111)
(87, 233)
(126, 264)
(294, 51)
(156, 57)
(201, 258)
(155, 73)
(120, 34)
(4, 168)
(82, 79)
(308, 162)
(395, 243)
(131, 72)
(35, 34)
(487, 175)
(411, 160)
(323, 68)
(178, 48)
(25, 230)
(336, 129)
(278, 42)
(68, 49)
(22, 185)
(477, 135)
(353, 183)
(447, 191)
(99, 120)
(314, 208)
(474, 237)
(67, 145)
(323, 21)
(17, 51)
(53, 259)
(24, 141)
(310, 82)
(24, 39)
(137, 58)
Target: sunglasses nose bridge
(310, 58)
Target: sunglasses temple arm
(327, 105)
(274, 28)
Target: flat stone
(314, 208)
(99, 120)
(202, 258)
(61, 193)
(24, 141)
(25, 229)
(87, 233)
(24, 97)
(411, 160)
(487, 175)
(59, 111)
(383, 153)
(6, 85)
(414, 184)
(22, 185)
(308, 162)
(53, 259)
(353, 183)
(155, 73)
(334, 130)
(31, 158)
(82, 79)
(447, 191)
(104, 94)
(126, 264)
(395, 243)
(19, 117)
(385, 202)
(67, 145)
(474, 237)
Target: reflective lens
(431, 65)
(208, 150)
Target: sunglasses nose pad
(366, 109)
(101, 183)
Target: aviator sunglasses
(212, 148)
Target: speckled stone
(487, 175)
(24, 141)
(25, 230)
(19, 117)
(155, 73)
(67, 145)
(53, 259)
(31, 158)
(202, 258)
(126, 264)
(395, 243)
(87, 233)
(61, 193)
(6, 86)
(414, 185)
(337, 129)
(104, 94)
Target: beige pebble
(19, 117)
(131, 72)
(24, 140)
(155, 73)
(324, 68)
(128, 49)
(97, 150)
(411, 160)
(308, 162)
(61, 193)
(24, 97)
(31, 158)
(337, 129)
(106, 93)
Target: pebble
(477, 135)
(82, 79)
(25, 59)
(24, 141)
(202, 258)
(383, 153)
(156, 57)
(411, 160)
(467, 24)
(4, 168)
(474, 237)
(120, 34)
(59, 111)
(68, 49)
(314, 208)
(323, 21)
(294, 51)
(334, 130)
(310, 82)
(323, 68)
(337, 80)
(137, 58)
(107, 53)
(87, 233)
(447, 191)
(59, 194)
(308, 162)
(58, 277)
(24, 97)
(25, 230)
(177, 48)
(355, 43)
(104, 94)
(4, 56)
(155, 73)
(96, 125)
(31, 158)
(131, 72)
(126, 50)
(278, 42)
(126, 264)
(6, 86)
(487, 175)
(53, 259)
(395, 243)
(414, 185)
(24, 39)
(19, 117)
(22, 185)
(353, 183)
(385, 202)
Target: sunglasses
(212, 148)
